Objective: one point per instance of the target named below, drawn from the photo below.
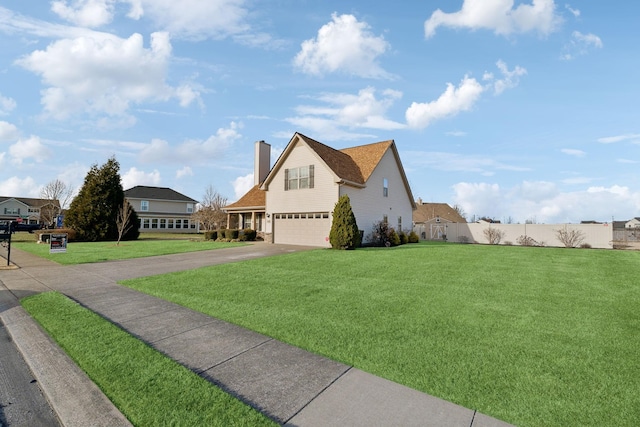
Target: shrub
(493, 235)
(570, 238)
(525, 240)
(380, 234)
(585, 246)
(413, 237)
(211, 235)
(344, 232)
(403, 237)
(248, 235)
(231, 234)
(394, 239)
(71, 234)
(463, 239)
(508, 243)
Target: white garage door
(310, 229)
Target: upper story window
(385, 187)
(144, 205)
(298, 178)
(12, 211)
(189, 207)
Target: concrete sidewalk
(292, 386)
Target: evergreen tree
(93, 212)
(344, 229)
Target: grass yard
(147, 387)
(86, 252)
(532, 336)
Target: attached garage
(302, 228)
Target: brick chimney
(262, 162)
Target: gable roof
(428, 211)
(254, 198)
(30, 201)
(351, 166)
(157, 193)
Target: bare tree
(570, 238)
(123, 220)
(493, 235)
(59, 195)
(460, 211)
(209, 213)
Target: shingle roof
(30, 201)
(255, 198)
(427, 211)
(156, 193)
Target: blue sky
(521, 110)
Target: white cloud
(546, 203)
(454, 162)
(19, 187)
(340, 111)
(30, 148)
(450, 103)
(574, 12)
(580, 44)
(8, 132)
(619, 138)
(499, 16)
(194, 19)
(108, 74)
(86, 13)
(6, 105)
(185, 171)
(192, 150)
(343, 45)
(134, 177)
(509, 80)
(573, 152)
(242, 184)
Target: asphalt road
(21, 400)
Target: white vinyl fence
(595, 235)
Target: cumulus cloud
(242, 184)
(108, 74)
(86, 13)
(194, 19)
(573, 152)
(134, 177)
(8, 132)
(20, 187)
(192, 150)
(580, 44)
(545, 202)
(338, 114)
(343, 45)
(499, 16)
(6, 105)
(185, 171)
(509, 80)
(451, 102)
(30, 148)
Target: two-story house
(162, 209)
(29, 210)
(293, 202)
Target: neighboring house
(162, 209)
(31, 211)
(302, 188)
(430, 220)
(633, 223)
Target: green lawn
(86, 252)
(532, 336)
(147, 387)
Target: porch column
(253, 220)
(228, 219)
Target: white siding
(321, 198)
(368, 204)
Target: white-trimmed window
(299, 178)
(189, 207)
(144, 205)
(399, 223)
(385, 187)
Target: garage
(308, 228)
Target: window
(399, 223)
(154, 223)
(12, 211)
(385, 219)
(189, 207)
(170, 223)
(163, 223)
(385, 187)
(247, 220)
(145, 223)
(144, 205)
(298, 178)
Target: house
(293, 202)
(162, 209)
(430, 220)
(31, 211)
(633, 223)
